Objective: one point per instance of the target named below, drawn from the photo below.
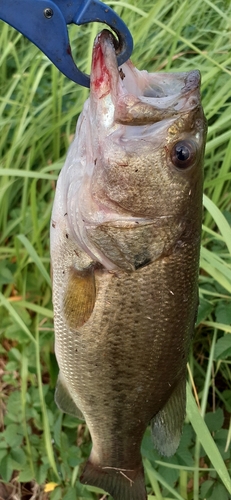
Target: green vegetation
(38, 113)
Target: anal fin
(64, 400)
(167, 424)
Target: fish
(125, 245)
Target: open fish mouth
(123, 166)
(140, 97)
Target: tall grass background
(41, 449)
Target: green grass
(38, 112)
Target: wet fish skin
(125, 239)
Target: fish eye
(183, 154)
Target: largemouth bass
(125, 240)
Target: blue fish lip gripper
(44, 22)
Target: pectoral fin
(64, 400)
(79, 297)
(167, 424)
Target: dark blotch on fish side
(142, 260)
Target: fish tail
(122, 484)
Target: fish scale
(125, 241)
(126, 326)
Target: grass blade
(34, 257)
(4, 302)
(220, 220)
(206, 440)
(154, 476)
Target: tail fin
(122, 484)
